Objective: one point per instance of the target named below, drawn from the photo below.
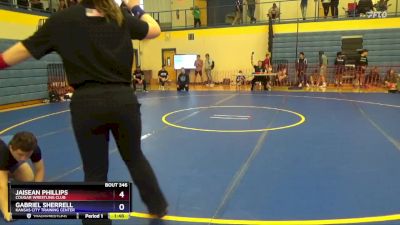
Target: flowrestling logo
(377, 14)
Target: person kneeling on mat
(13, 164)
(183, 81)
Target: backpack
(212, 65)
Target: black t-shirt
(340, 62)
(91, 48)
(138, 74)
(258, 69)
(163, 73)
(7, 160)
(363, 61)
(183, 78)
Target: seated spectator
(23, 4)
(274, 12)
(183, 81)
(162, 77)
(364, 6)
(281, 76)
(138, 78)
(240, 79)
(373, 77)
(36, 4)
(382, 5)
(62, 5)
(391, 80)
(314, 77)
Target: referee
(94, 40)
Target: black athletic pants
(97, 110)
(262, 79)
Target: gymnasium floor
(249, 158)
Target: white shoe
(307, 85)
(323, 85)
(300, 85)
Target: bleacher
(383, 47)
(26, 81)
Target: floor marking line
(232, 116)
(228, 118)
(31, 120)
(237, 178)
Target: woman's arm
(15, 54)
(154, 28)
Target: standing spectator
(274, 12)
(266, 64)
(334, 8)
(138, 78)
(199, 69)
(303, 8)
(364, 6)
(62, 5)
(183, 81)
(301, 68)
(238, 12)
(323, 68)
(251, 7)
(361, 68)
(196, 15)
(96, 48)
(209, 66)
(162, 77)
(326, 4)
(340, 63)
(391, 80)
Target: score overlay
(72, 200)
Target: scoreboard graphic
(111, 200)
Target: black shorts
(198, 72)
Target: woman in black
(93, 39)
(263, 79)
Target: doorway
(168, 60)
